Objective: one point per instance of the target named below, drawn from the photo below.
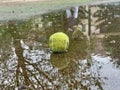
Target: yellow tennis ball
(59, 42)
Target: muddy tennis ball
(59, 42)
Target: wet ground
(25, 9)
(91, 62)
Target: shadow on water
(26, 61)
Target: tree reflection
(112, 44)
(33, 67)
(109, 18)
(22, 72)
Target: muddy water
(26, 60)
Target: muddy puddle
(92, 61)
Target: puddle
(90, 63)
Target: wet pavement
(27, 9)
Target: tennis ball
(59, 42)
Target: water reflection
(27, 62)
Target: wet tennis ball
(59, 42)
